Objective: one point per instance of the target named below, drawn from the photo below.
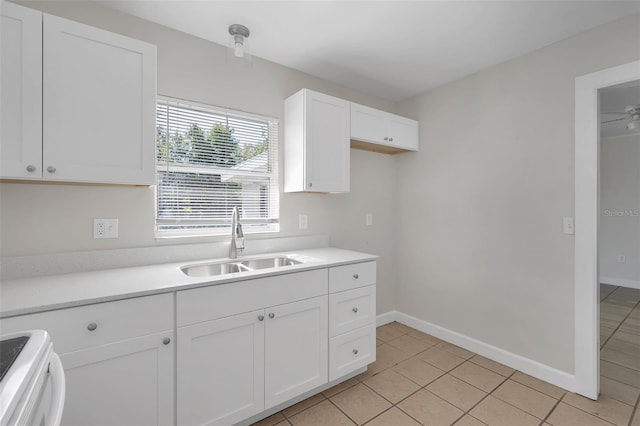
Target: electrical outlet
(622, 258)
(105, 228)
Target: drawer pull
(260, 317)
(272, 315)
(355, 352)
(92, 326)
(355, 276)
(355, 310)
(166, 340)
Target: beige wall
(620, 209)
(471, 223)
(39, 219)
(481, 205)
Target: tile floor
(420, 380)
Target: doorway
(587, 220)
(619, 242)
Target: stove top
(9, 351)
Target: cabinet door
(327, 148)
(296, 349)
(99, 92)
(368, 124)
(21, 88)
(125, 383)
(403, 132)
(221, 370)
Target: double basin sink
(235, 266)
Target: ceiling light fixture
(239, 34)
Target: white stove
(32, 382)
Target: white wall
(620, 210)
(471, 223)
(482, 251)
(42, 219)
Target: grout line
(621, 322)
(342, 411)
(584, 411)
(552, 410)
(634, 411)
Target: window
(210, 161)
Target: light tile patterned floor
(420, 380)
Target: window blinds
(210, 161)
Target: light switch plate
(303, 221)
(567, 225)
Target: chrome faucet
(237, 236)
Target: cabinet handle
(166, 340)
(31, 168)
(260, 317)
(355, 310)
(386, 138)
(92, 326)
(272, 315)
(356, 276)
(51, 169)
(355, 352)
(390, 139)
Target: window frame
(250, 226)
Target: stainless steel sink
(222, 268)
(269, 262)
(211, 269)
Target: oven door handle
(57, 391)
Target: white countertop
(30, 295)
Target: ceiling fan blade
(611, 121)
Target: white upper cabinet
(381, 131)
(99, 97)
(96, 96)
(316, 143)
(21, 92)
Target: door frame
(587, 213)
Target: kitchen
(471, 218)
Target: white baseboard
(622, 282)
(518, 362)
(386, 318)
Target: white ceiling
(616, 99)
(391, 49)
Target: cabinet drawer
(352, 276)
(352, 350)
(351, 309)
(223, 300)
(113, 321)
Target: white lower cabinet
(351, 351)
(352, 318)
(129, 382)
(296, 345)
(221, 370)
(232, 368)
(222, 353)
(118, 359)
